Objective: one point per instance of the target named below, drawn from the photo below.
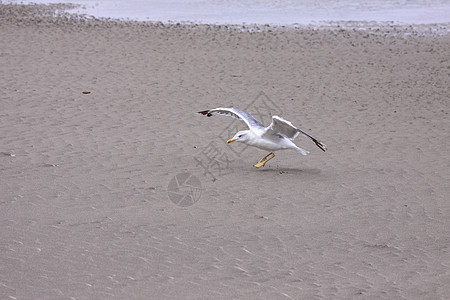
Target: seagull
(277, 136)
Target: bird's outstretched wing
(251, 122)
(286, 129)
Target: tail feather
(302, 151)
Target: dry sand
(84, 206)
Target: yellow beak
(230, 141)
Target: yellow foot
(260, 164)
(263, 161)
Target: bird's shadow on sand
(282, 170)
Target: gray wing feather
(286, 129)
(234, 113)
(283, 127)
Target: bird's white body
(274, 142)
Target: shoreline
(56, 13)
(266, 11)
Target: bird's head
(241, 136)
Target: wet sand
(98, 117)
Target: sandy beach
(112, 186)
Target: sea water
(274, 12)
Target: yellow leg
(264, 160)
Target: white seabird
(277, 136)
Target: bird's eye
(240, 136)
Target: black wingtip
(205, 113)
(320, 145)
